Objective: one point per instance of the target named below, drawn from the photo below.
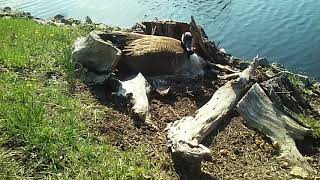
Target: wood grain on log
(261, 114)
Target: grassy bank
(44, 125)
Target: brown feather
(156, 45)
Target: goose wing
(153, 45)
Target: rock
(58, 17)
(284, 165)
(223, 152)
(275, 145)
(66, 21)
(88, 20)
(76, 21)
(299, 172)
(263, 61)
(139, 28)
(7, 9)
(8, 12)
(26, 13)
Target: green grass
(43, 128)
(313, 123)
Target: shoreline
(60, 20)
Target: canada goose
(155, 55)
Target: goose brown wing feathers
(121, 39)
(156, 45)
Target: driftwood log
(261, 114)
(185, 135)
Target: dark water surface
(286, 31)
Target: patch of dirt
(238, 152)
(241, 153)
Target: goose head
(186, 41)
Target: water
(286, 31)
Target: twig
(175, 113)
(189, 92)
(287, 92)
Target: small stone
(258, 142)
(88, 20)
(223, 152)
(245, 175)
(284, 165)
(275, 144)
(299, 172)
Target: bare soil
(238, 152)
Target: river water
(285, 31)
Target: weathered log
(186, 134)
(136, 89)
(95, 57)
(261, 114)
